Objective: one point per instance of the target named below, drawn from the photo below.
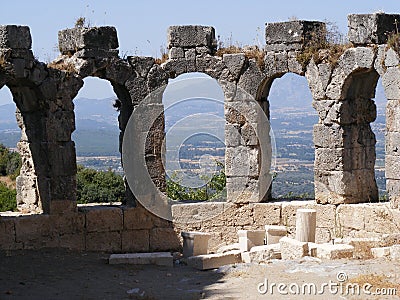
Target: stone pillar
(191, 41)
(391, 83)
(15, 48)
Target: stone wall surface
(342, 87)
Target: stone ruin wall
(345, 144)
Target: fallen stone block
(395, 252)
(195, 243)
(213, 261)
(312, 249)
(154, 258)
(261, 254)
(250, 238)
(362, 246)
(293, 249)
(274, 233)
(334, 251)
(380, 252)
(229, 247)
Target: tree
(7, 198)
(212, 190)
(99, 186)
(10, 162)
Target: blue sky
(142, 25)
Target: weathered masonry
(342, 87)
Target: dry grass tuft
(325, 45)
(393, 42)
(68, 67)
(376, 281)
(163, 59)
(251, 52)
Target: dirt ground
(61, 274)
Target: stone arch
(345, 143)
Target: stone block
(266, 213)
(395, 252)
(75, 39)
(195, 243)
(391, 82)
(324, 235)
(264, 253)
(392, 167)
(135, 240)
(67, 223)
(191, 36)
(294, 32)
(234, 63)
(325, 213)
(362, 246)
(7, 234)
(334, 251)
(213, 261)
(380, 252)
(71, 241)
(141, 64)
(379, 217)
(155, 258)
(312, 249)
(392, 143)
(102, 218)
(350, 216)
(62, 207)
(250, 238)
(32, 228)
(392, 58)
(16, 37)
(243, 189)
(393, 189)
(176, 53)
(371, 28)
(274, 233)
(103, 241)
(96, 53)
(137, 218)
(62, 158)
(249, 82)
(292, 249)
(198, 212)
(236, 216)
(242, 161)
(164, 239)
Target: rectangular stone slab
(75, 39)
(17, 37)
(213, 261)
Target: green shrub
(214, 189)
(7, 198)
(10, 162)
(99, 186)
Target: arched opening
(96, 137)
(10, 159)
(292, 118)
(194, 138)
(379, 129)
